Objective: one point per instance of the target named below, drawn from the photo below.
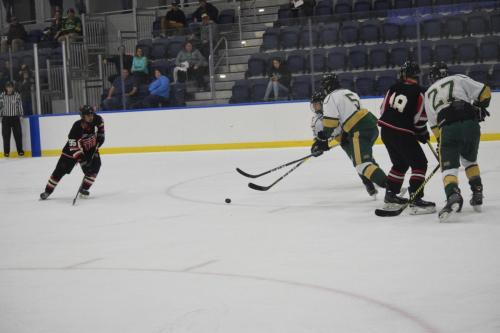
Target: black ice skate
(392, 201)
(372, 191)
(477, 198)
(419, 207)
(44, 195)
(84, 194)
(453, 205)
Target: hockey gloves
(319, 147)
(423, 137)
(483, 113)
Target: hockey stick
(265, 188)
(81, 184)
(243, 173)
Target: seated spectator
(174, 20)
(206, 25)
(139, 67)
(114, 99)
(51, 33)
(115, 60)
(208, 8)
(279, 81)
(16, 36)
(71, 26)
(191, 63)
(23, 86)
(159, 91)
(303, 8)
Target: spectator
(191, 62)
(115, 60)
(24, 85)
(303, 8)
(208, 8)
(174, 19)
(114, 99)
(159, 91)
(11, 110)
(51, 34)
(9, 9)
(139, 67)
(56, 5)
(206, 25)
(16, 36)
(279, 81)
(71, 26)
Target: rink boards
(242, 126)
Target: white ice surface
(156, 249)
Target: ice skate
(453, 205)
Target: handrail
(214, 66)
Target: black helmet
(409, 69)
(330, 82)
(86, 110)
(438, 71)
(318, 96)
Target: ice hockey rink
(156, 249)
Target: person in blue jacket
(159, 91)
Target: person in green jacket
(191, 63)
(71, 26)
(139, 67)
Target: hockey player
(455, 105)
(84, 140)
(403, 124)
(317, 126)
(342, 109)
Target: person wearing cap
(71, 26)
(206, 25)
(208, 8)
(16, 36)
(11, 110)
(174, 19)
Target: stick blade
(258, 187)
(388, 213)
(243, 173)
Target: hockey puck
(228, 200)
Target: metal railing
(214, 65)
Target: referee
(11, 110)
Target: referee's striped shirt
(11, 105)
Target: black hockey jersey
(403, 108)
(83, 138)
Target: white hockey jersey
(342, 107)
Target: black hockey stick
(81, 184)
(384, 212)
(243, 173)
(265, 188)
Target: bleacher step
(256, 26)
(208, 95)
(270, 18)
(240, 51)
(248, 42)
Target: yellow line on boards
(216, 146)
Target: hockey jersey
(453, 88)
(83, 138)
(403, 108)
(342, 107)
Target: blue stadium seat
(156, 28)
(35, 36)
(381, 5)
(379, 55)
(431, 28)
(270, 39)
(443, 2)
(329, 34)
(175, 45)
(399, 4)
(226, 16)
(425, 51)
(346, 80)
(390, 31)
(240, 92)
(409, 31)
(296, 61)
(336, 59)
(358, 57)
(454, 26)
(362, 8)
(304, 37)
(444, 51)
(365, 85)
(399, 53)
(289, 37)
(159, 51)
(384, 81)
(467, 50)
(319, 60)
(489, 48)
(349, 32)
(301, 87)
(495, 77)
(457, 69)
(370, 31)
(165, 66)
(258, 89)
(324, 8)
(479, 73)
(257, 65)
(284, 15)
(343, 7)
(423, 3)
(495, 21)
(477, 24)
